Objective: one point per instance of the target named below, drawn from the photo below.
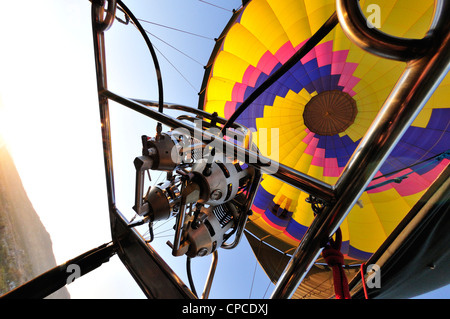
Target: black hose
(189, 274)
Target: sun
(10, 136)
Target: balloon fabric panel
(322, 108)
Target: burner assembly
(207, 191)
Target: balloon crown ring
(330, 113)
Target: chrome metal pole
(99, 25)
(209, 280)
(419, 80)
(297, 179)
(354, 25)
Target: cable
(163, 223)
(186, 55)
(179, 30)
(176, 69)
(150, 230)
(179, 72)
(215, 5)
(152, 52)
(254, 273)
(399, 179)
(276, 270)
(189, 274)
(439, 157)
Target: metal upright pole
(99, 26)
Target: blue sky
(48, 98)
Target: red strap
(363, 279)
(334, 258)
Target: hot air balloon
(314, 119)
(322, 107)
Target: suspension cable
(153, 48)
(175, 29)
(154, 57)
(186, 55)
(215, 5)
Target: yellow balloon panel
(410, 19)
(336, 86)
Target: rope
(334, 258)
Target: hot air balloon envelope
(322, 108)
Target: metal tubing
(104, 23)
(100, 67)
(153, 275)
(412, 91)
(133, 251)
(152, 53)
(180, 221)
(243, 219)
(209, 280)
(293, 177)
(178, 107)
(184, 108)
(355, 26)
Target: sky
(50, 120)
